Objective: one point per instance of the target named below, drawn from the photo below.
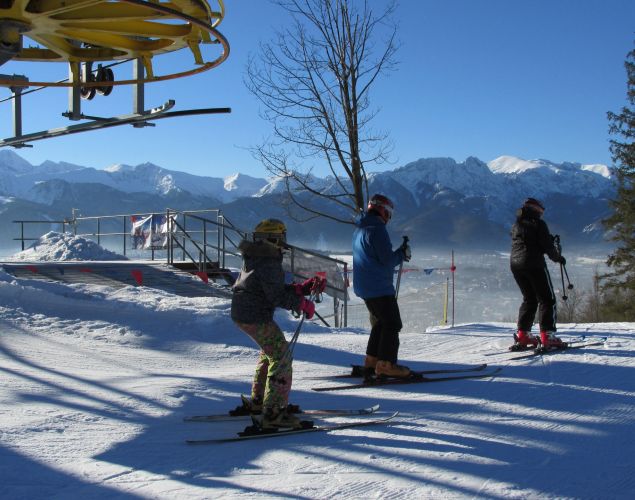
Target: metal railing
(25, 223)
(301, 263)
(206, 240)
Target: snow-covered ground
(95, 382)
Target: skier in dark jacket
(374, 263)
(531, 240)
(259, 289)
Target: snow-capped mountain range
(438, 198)
(18, 178)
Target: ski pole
(291, 345)
(569, 286)
(405, 242)
(294, 339)
(322, 319)
(564, 295)
(563, 267)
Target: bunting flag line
(138, 276)
(428, 270)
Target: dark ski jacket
(374, 260)
(261, 287)
(531, 240)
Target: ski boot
(273, 419)
(368, 370)
(391, 370)
(550, 341)
(247, 407)
(523, 341)
(370, 361)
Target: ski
(359, 372)
(530, 349)
(245, 435)
(380, 382)
(535, 353)
(223, 417)
(509, 350)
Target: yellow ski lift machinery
(108, 33)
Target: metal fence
(203, 240)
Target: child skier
(530, 241)
(259, 289)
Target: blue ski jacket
(374, 260)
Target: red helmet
(382, 205)
(535, 205)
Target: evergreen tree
(619, 282)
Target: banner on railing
(306, 265)
(149, 232)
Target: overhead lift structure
(94, 36)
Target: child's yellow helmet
(272, 230)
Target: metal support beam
(138, 92)
(74, 93)
(17, 111)
(98, 124)
(21, 82)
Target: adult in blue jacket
(374, 263)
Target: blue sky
(479, 78)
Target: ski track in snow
(95, 383)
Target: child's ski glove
(307, 307)
(312, 285)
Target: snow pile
(54, 246)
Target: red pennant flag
(203, 276)
(138, 276)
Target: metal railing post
(292, 261)
(345, 295)
(169, 228)
(184, 231)
(221, 240)
(124, 235)
(219, 221)
(205, 244)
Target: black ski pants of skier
(538, 295)
(385, 322)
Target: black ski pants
(538, 295)
(385, 322)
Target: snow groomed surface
(95, 382)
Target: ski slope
(95, 382)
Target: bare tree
(314, 82)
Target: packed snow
(54, 246)
(95, 382)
